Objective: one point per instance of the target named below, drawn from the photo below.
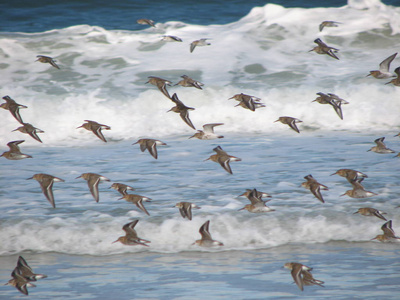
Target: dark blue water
(36, 16)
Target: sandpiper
(47, 59)
(190, 82)
(351, 175)
(314, 186)
(146, 22)
(185, 208)
(388, 233)
(206, 239)
(323, 48)
(328, 24)
(257, 204)
(247, 101)
(369, 211)
(15, 153)
(161, 84)
(137, 200)
(182, 110)
(239, 97)
(223, 159)
(201, 42)
(358, 191)
(95, 128)
(259, 194)
(20, 282)
(290, 121)
(380, 147)
(93, 181)
(13, 107)
(121, 188)
(301, 275)
(31, 130)
(46, 183)
(395, 81)
(333, 100)
(384, 66)
(171, 38)
(131, 237)
(208, 132)
(150, 145)
(26, 271)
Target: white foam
(103, 74)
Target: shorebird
(26, 271)
(290, 121)
(15, 153)
(185, 208)
(323, 48)
(131, 237)
(388, 233)
(258, 194)
(384, 66)
(93, 181)
(182, 110)
(314, 186)
(146, 22)
(328, 24)
(380, 147)
(247, 101)
(121, 188)
(351, 175)
(95, 128)
(161, 84)
(13, 107)
(358, 191)
(171, 38)
(223, 159)
(31, 130)
(301, 275)
(47, 59)
(206, 239)
(137, 200)
(369, 211)
(239, 97)
(198, 43)
(46, 183)
(20, 282)
(190, 82)
(208, 132)
(333, 100)
(395, 81)
(257, 204)
(150, 145)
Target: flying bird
(149, 145)
(182, 110)
(46, 182)
(384, 67)
(323, 48)
(223, 159)
(131, 237)
(47, 59)
(95, 128)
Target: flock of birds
(23, 275)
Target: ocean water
(260, 49)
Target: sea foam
(104, 72)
